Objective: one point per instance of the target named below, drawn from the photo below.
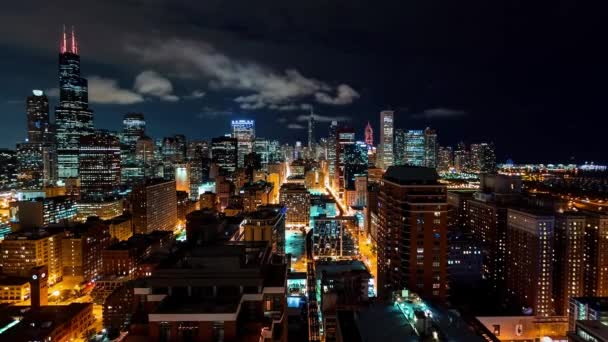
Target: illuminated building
(99, 166)
(569, 258)
(224, 154)
(399, 148)
(483, 158)
(104, 210)
(133, 128)
(414, 147)
(296, 200)
(154, 206)
(184, 205)
(14, 289)
(81, 249)
(41, 212)
(464, 261)
(208, 200)
(38, 122)
(118, 308)
(144, 151)
(267, 224)
(355, 163)
(445, 158)
(430, 148)
(182, 177)
(588, 331)
(218, 295)
(386, 157)
(369, 135)
(120, 259)
(120, 227)
(30, 165)
(331, 149)
(73, 118)
(345, 136)
(244, 132)
(173, 149)
(311, 127)
(25, 250)
(49, 323)
(331, 238)
(461, 157)
(529, 269)
(262, 148)
(412, 232)
(587, 308)
(255, 195)
(596, 252)
(8, 169)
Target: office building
(311, 127)
(369, 135)
(38, 123)
(296, 200)
(483, 158)
(25, 250)
(105, 210)
(30, 165)
(41, 212)
(120, 227)
(267, 224)
(154, 206)
(461, 157)
(588, 331)
(14, 289)
(414, 147)
(587, 308)
(244, 132)
(412, 232)
(345, 137)
(399, 147)
(73, 118)
(529, 269)
(430, 147)
(255, 195)
(133, 128)
(8, 169)
(355, 163)
(224, 154)
(332, 140)
(386, 157)
(99, 166)
(445, 158)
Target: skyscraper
(133, 128)
(345, 136)
(430, 147)
(311, 126)
(445, 158)
(355, 163)
(399, 147)
(369, 135)
(99, 165)
(386, 138)
(38, 123)
(412, 232)
(244, 132)
(414, 147)
(224, 153)
(73, 118)
(331, 148)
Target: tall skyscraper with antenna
(73, 118)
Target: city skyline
(476, 99)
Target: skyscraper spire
(64, 43)
(311, 123)
(74, 45)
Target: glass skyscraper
(38, 123)
(133, 128)
(355, 163)
(73, 118)
(386, 158)
(244, 132)
(414, 147)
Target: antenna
(74, 46)
(64, 42)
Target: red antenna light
(74, 46)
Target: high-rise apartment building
(415, 147)
(596, 253)
(244, 132)
(73, 118)
(569, 258)
(445, 158)
(81, 248)
(99, 166)
(224, 154)
(154, 206)
(412, 232)
(529, 261)
(386, 157)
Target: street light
(56, 294)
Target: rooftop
(596, 303)
(411, 175)
(595, 328)
(7, 280)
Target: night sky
(527, 75)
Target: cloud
(196, 94)
(323, 118)
(282, 120)
(439, 113)
(152, 83)
(290, 107)
(345, 95)
(107, 91)
(207, 112)
(295, 126)
(265, 86)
